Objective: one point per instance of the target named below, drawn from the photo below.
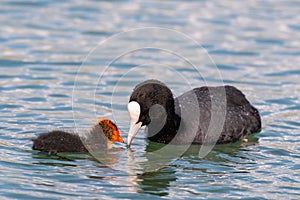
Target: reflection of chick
(60, 141)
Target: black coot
(188, 118)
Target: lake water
(63, 64)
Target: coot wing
(233, 116)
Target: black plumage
(58, 141)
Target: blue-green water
(254, 44)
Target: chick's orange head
(110, 130)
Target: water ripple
(255, 46)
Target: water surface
(254, 44)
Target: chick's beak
(134, 128)
(120, 139)
(117, 136)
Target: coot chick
(152, 104)
(61, 141)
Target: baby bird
(61, 141)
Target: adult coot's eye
(142, 95)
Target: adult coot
(205, 115)
(61, 141)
